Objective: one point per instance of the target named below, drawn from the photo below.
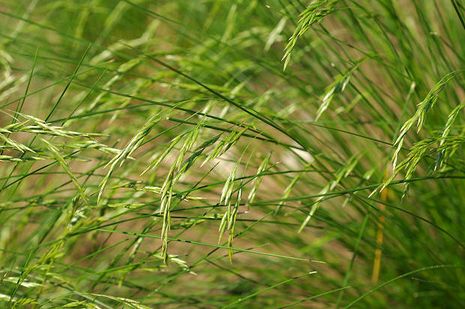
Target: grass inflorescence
(237, 154)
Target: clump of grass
(158, 155)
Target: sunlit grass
(232, 154)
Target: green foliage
(156, 154)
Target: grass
(238, 154)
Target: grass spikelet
(274, 35)
(224, 144)
(6, 158)
(232, 221)
(445, 134)
(176, 171)
(61, 161)
(342, 173)
(313, 13)
(337, 87)
(15, 145)
(287, 193)
(226, 199)
(158, 158)
(419, 116)
(450, 121)
(264, 165)
(134, 143)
